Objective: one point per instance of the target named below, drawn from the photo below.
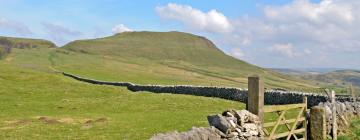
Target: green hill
(8, 43)
(37, 103)
(162, 58)
(159, 46)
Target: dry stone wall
(272, 97)
(230, 125)
(345, 112)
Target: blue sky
(276, 33)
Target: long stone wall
(272, 97)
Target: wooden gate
(289, 126)
(292, 128)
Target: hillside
(35, 100)
(162, 58)
(8, 43)
(337, 78)
(290, 71)
(37, 103)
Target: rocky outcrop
(230, 125)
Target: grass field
(37, 103)
(75, 110)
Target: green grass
(29, 88)
(354, 131)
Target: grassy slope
(28, 88)
(162, 58)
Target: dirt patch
(15, 123)
(48, 120)
(99, 120)
(102, 120)
(18, 123)
(67, 120)
(88, 121)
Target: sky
(276, 33)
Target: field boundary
(272, 97)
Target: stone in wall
(202, 133)
(230, 125)
(345, 112)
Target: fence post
(305, 101)
(333, 110)
(353, 98)
(318, 123)
(255, 102)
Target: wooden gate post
(353, 98)
(318, 123)
(305, 101)
(334, 128)
(255, 102)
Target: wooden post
(255, 102)
(333, 110)
(305, 114)
(353, 98)
(318, 123)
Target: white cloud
(329, 27)
(121, 28)
(298, 28)
(15, 26)
(327, 11)
(211, 21)
(237, 53)
(329, 23)
(284, 49)
(307, 51)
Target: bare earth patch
(67, 120)
(48, 120)
(86, 123)
(15, 123)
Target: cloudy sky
(276, 33)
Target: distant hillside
(337, 78)
(302, 71)
(289, 71)
(162, 58)
(8, 43)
